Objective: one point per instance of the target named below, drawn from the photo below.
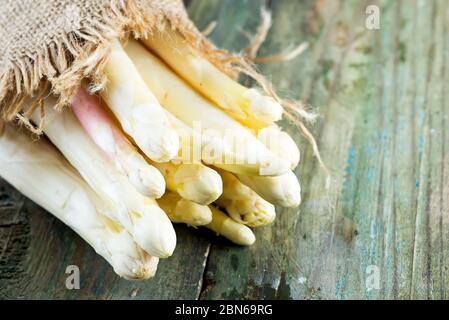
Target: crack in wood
(205, 281)
(10, 226)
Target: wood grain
(382, 96)
(383, 101)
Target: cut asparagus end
(184, 211)
(227, 227)
(258, 214)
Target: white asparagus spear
(228, 228)
(246, 105)
(280, 143)
(243, 204)
(141, 216)
(39, 172)
(194, 182)
(194, 110)
(283, 190)
(180, 210)
(105, 133)
(200, 146)
(136, 108)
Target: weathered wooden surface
(383, 97)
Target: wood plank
(382, 96)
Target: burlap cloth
(57, 43)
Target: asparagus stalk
(39, 172)
(200, 146)
(136, 108)
(245, 105)
(280, 143)
(243, 204)
(194, 182)
(227, 227)
(188, 106)
(282, 190)
(140, 216)
(104, 132)
(180, 210)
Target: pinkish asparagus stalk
(106, 134)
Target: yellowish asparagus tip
(202, 214)
(263, 107)
(246, 236)
(203, 188)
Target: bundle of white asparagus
(167, 119)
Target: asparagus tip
(263, 107)
(245, 236)
(204, 188)
(154, 232)
(159, 143)
(149, 181)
